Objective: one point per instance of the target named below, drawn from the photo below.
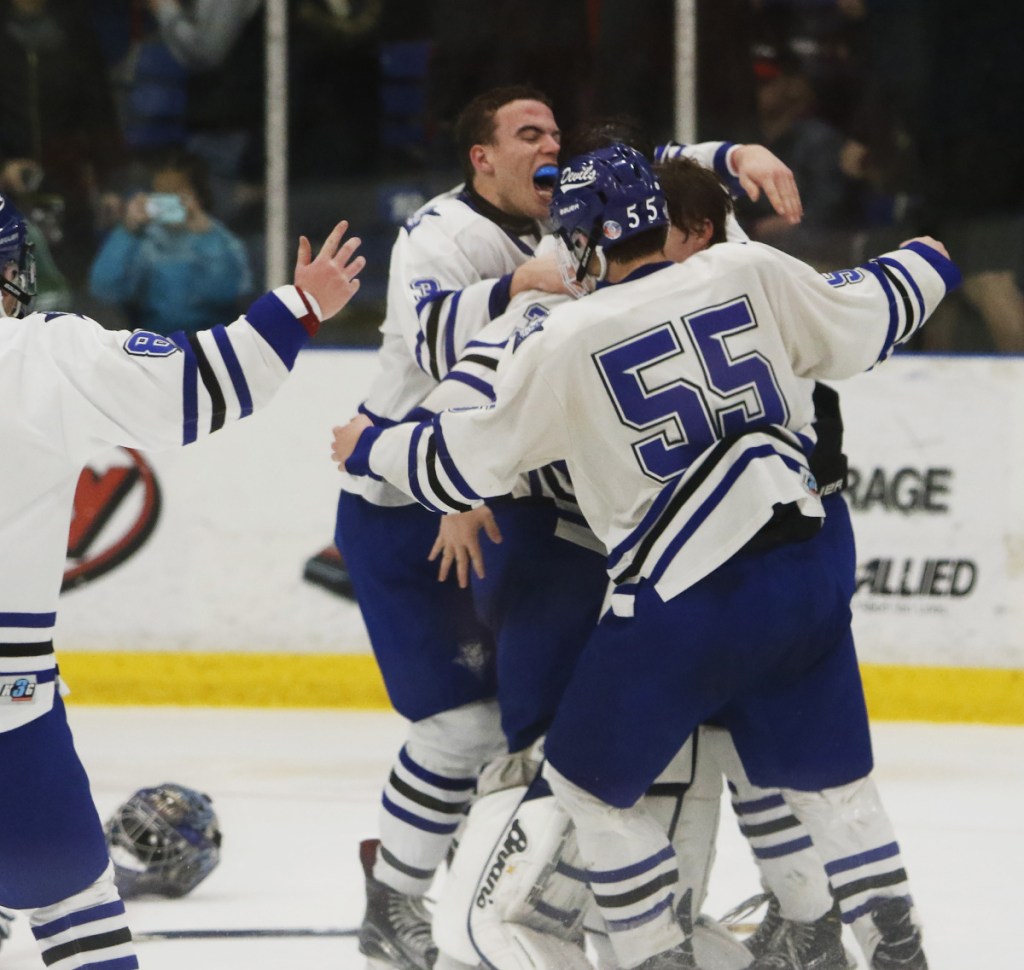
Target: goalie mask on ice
(17, 260)
(604, 198)
(164, 841)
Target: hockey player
(454, 268)
(681, 399)
(71, 390)
(542, 594)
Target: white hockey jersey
(681, 401)
(69, 389)
(449, 277)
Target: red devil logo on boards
(117, 505)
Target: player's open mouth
(545, 179)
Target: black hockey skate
(758, 941)
(783, 944)
(395, 932)
(900, 946)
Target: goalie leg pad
(522, 948)
(514, 897)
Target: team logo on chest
(534, 317)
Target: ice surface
(296, 790)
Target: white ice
(296, 790)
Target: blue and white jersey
(471, 382)
(680, 401)
(716, 155)
(71, 389)
(450, 275)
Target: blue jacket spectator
(169, 264)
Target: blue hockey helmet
(605, 197)
(163, 841)
(16, 250)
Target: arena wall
(187, 584)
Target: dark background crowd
(898, 117)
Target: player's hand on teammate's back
(759, 170)
(346, 438)
(458, 541)
(540, 273)
(928, 241)
(330, 278)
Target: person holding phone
(170, 265)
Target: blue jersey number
(738, 391)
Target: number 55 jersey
(680, 399)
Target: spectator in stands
(219, 43)
(948, 80)
(810, 146)
(170, 265)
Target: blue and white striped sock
(87, 931)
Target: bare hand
(346, 438)
(136, 215)
(330, 278)
(759, 169)
(539, 273)
(928, 241)
(458, 541)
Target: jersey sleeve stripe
(412, 470)
(942, 265)
(449, 466)
(901, 290)
(450, 356)
(430, 340)
(189, 390)
(918, 318)
(230, 358)
(875, 270)
(721, 165)
(218, 406)
(482, 387)
(436, 486)
(491, 363)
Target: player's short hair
(694, 194)
(650, 242)
(600, 132)
(475, 124)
